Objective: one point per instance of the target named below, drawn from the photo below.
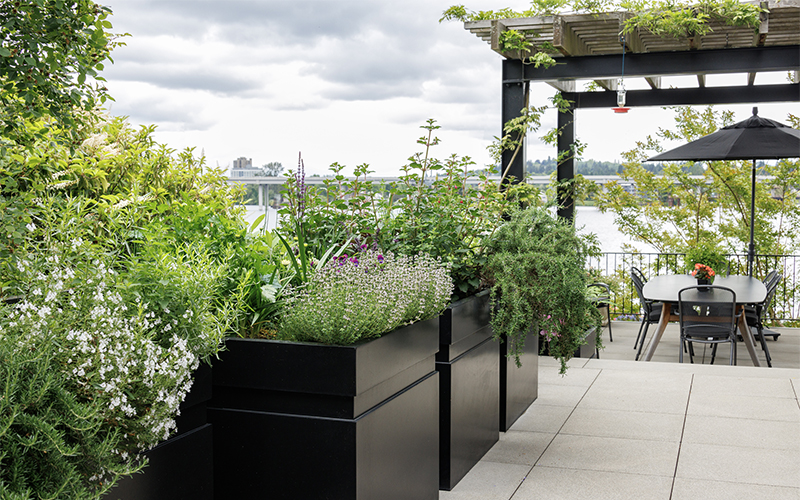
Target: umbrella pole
(751, 250)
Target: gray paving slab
(735, 464)
(750, 407)
(578, 377)
(618, 429)
(560, 395)
(624, 424)
(488, 481)
(543, 418)
(743, 432)
(623, 398)
(693, 489)
(611, 455)
(714, 385)
(548, 483)
(519, 447)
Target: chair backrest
(772, 279)
(772, 287)
(635, 271)
(602, 286)
(708, 311)
(638, 285)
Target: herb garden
(151, 341)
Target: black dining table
(665, 289)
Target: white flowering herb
(360, 296)
(89, 378)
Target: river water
(588, 219)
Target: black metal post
(751, 250)
(513, 103)
(566, 166)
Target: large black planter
(301, 420)
(469, 366)
(589, 349)
(182, 467)
(519, 385)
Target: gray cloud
(167, 114)
(278, 21)
(367, 50)
(186, 77)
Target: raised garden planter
(589, 349)
(300, 420)
(182, 467)
(469, 366)
(519, 386)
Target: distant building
(243, 167)
(243, 162)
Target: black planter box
(300, 420)
(469, 366)
(589, 349)
(519, 386)
(182, 467)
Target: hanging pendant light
(621, 83)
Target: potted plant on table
(703, 274)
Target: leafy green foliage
(678, 212)
(123, 254)
(706, 254)
(129, 180)
(50, 440)
(51, 52)
(536, 268)
(662, 17)
(431, 209)
(683, 19)
(440, 215)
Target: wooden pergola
(591, 47)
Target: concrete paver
(617, 429)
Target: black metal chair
(638, 272)
(755, 313)
(651, 311)
(603, 301)
(707, 315)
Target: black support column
(566, 167)
(513, 103)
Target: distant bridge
(541, 181)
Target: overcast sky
(346, 81)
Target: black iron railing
(614, 268)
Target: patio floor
(614, 428)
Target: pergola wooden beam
(720, 61)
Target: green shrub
(536, 267)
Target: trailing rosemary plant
(536, 267)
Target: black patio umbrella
(753, 139)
